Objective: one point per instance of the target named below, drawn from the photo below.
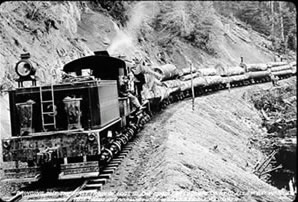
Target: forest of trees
(192, 20)
(274, 19)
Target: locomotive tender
(73, 128)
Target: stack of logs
(174, 79)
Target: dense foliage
(192, 21)
(116, 9)
(275, 19)
(187, 21)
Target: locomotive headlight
(24, 68)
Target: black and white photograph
(148, 101)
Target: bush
(187, 21)
(116, 9)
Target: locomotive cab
(100, 65)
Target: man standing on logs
(139, 70)
(273, 79)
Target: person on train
(139, 77)
(127, 90)
(139, 70)
(243, 65)
(273, 79)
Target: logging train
(72, 129)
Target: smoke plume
(125, 40)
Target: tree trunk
(272, 18)
(281, 22)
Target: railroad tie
(92, 186)
(98, 181)
(105, 176)
(108, 171)
(112, 165)
(124, 153)
(116, 161)
(121, 156)
(111, 168)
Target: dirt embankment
(279, 111)
(54, 33)
(206, 154)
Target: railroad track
(106, 174)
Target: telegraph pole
(192, 87)
(229, 80)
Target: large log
(258, 74)
(199, 81)
(172, 83)
(256, 67)
(293, 66)
(281, 68)
(161, 91)
(276, 64)
(172, 90)
(207, 72)
(185, 85)
(211, 80)
(231, 71)
(188, 76)
(167, 71)
(235, 78)
(186, 70)
(283, 72)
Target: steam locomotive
(74, 128)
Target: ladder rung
(46, 101)
(48, 113)
(49, 124)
